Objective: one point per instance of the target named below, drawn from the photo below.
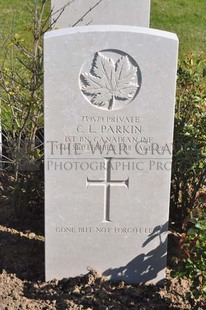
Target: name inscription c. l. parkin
(103, 230)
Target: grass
(186, 18)
(16, 18)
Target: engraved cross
(107, 183)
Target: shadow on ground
(21, 237)
(22, 255)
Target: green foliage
(188, 196)
(21, 83)
(192, 261)
(189, 155)
(21, 88)
(185, 18)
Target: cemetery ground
(22, 284)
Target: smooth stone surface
(119, 12)
(109, 113)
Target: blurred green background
(187, 18)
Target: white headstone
(109, 112)
(100, 12)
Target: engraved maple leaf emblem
(109, 81)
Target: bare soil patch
(22, 284)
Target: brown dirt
(22, 284)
